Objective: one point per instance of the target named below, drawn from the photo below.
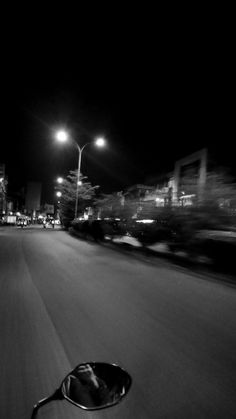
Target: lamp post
(62, 136)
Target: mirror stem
(55, 396)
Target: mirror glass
(96, 385)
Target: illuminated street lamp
(100, 142)
(59, 194)
(60, 180)
(63, 136)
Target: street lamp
(62, 136)
(60, 180)
(100, 142)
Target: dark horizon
(154, 102)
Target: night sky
(157, 92)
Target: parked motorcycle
(91, 386)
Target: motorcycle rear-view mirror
(91, 386)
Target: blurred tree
(86, 194)
(109, 205)
(219, 190)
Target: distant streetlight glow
(59, 180)
(59, 194)
(62, 136)
(79, 183)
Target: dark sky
(156, 90)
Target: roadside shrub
(81, 226)
(148, 234)
(66, 222)
(114, 228)
(89, 228)
(221, 252)
(97, 230)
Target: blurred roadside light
(59, 194)
(145, 221)
(59, 180)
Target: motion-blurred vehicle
(49, 222)
(22, 222)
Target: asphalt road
(64, 301)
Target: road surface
(64, 301)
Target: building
(189, 177)
(33, 198)
(138, 191)
(182, 186)
(3, 189)
(188, 184)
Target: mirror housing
(96, 385)
(91, 386)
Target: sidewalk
(170, 251)
(158, 248)
(195, 258)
